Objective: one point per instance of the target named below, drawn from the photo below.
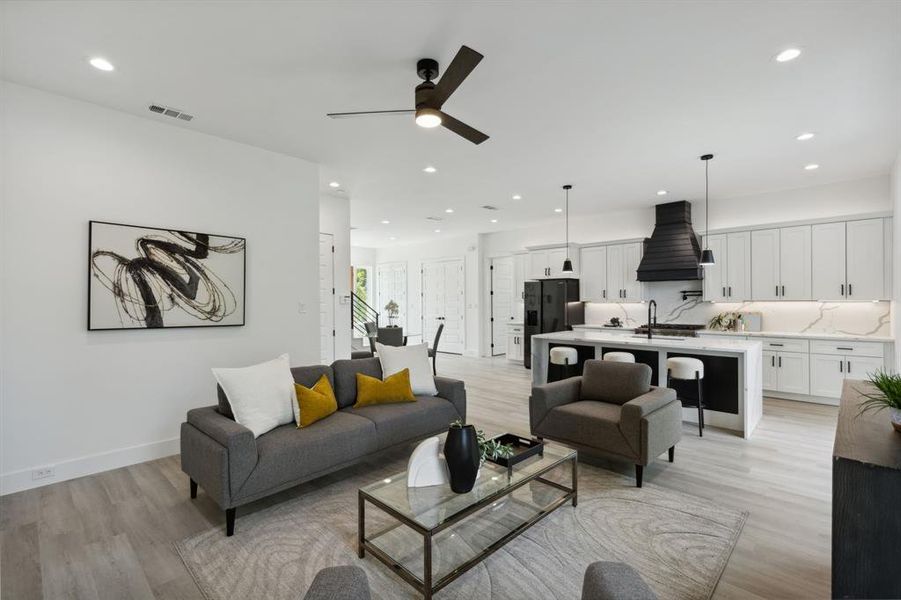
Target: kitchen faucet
(653, 323)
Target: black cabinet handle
(777, 290)
(724, 290)
(773, 361)
(780, 362)
(849, 366)
(843, 348)
(843, 289)
(775, 344)
(783, 291)
(730, 291)
(604, 296)
(840, 369)
(850, 290)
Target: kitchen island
(733, 384)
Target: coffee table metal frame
(426, 586)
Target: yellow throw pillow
(396, 388)
(315, 403)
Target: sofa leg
(230, 521)
(639, 471)
(193, 489)
(672, 453)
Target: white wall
(86, 401)
(466, 247)
(334, 218)
(896, 245)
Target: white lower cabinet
(786, 372)
(515, 343)
(829, 371)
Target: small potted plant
(887, 395)
(393, 310)
(465, 449)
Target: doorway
(444, 303)
(501, 295)
(326, 299)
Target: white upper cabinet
(781, 263)
(593, 269)
(615, 272)
(866, 267)
(538, 264)
(828, 262)
(715, 274)
(632, 288)
(548, 263)
(520, 262)
(729, 278)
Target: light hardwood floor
(111, 535)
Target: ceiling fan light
(707, 258)
(567, 266)
(428, 117)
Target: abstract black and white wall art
(148, 278)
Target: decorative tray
(523, 448)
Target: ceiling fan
(431, 96)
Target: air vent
(434, 219)
(489, 207)
(170, 112)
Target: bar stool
(683, 368)
(620, 357)
(566, 357)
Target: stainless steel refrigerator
(550, 305)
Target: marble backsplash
(850, 318)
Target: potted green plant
(886, 395)
(393, 310)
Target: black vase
(461, 449)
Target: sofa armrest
(454, 391)
(550, 395)
(217, 452)
(227, 432)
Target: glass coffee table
(434, 535)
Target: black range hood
(673, 251)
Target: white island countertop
(743, 355)
(845, 337)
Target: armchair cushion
(339, 583)
(549, 395)
(614, 382)
(591, 424)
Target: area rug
(678, 543)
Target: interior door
(794, 263)
(866, 277)
(593, 280)
(738, 266)
(615, 265)
(631, 259)
(502, 295)
(715, 274)
(326, 299)
(392, 285)
(443, 303)
(765, 264)
(827, 259)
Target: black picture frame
(171, 230)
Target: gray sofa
(223, 457)
(611, 410)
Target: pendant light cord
(567, 221)
(706, 204)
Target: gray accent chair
(223, 457)
(611, 410)
(614, 581)
(339, 583)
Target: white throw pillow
(261, 396)
(395, 359)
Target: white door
(615, 279)
(866, 247)
(326, 299)
(827, 372)
(738, 266)
(827, 258)
(443, 304)
(794, 263)
(715, 275)
(631, 259)
(391, 281)
(593, 280)
(538, 264)
(794, 372)
(501, 302)
(860, 367)
(765, 264)
(770, 370)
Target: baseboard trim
(802, 398)
(17, 481)
(471, 353)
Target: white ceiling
(618, 99)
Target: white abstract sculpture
(427, 466)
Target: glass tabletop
(434, 505)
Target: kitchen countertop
(774, 334)
(660, 341)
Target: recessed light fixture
(661, 192)
(392, 238)
(334, 184)
(805, 136)
(100, 63)
(385, 222)
(812, 167)
(788, 54)
(448, 210)
(494, 220)
(558, 210)
(437, 231)
(517, 197)
(430, 169)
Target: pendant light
(707, 254)
(567, 263)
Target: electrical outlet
(43, 473)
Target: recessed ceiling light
(448, 210)
(805, 136)
(430, 169)
(788, 54)
(661, 192)
(812, 167)
(437, 231)
(558, 210)
(392, 238)
(102, 64)
(517, 197)
(385, 222)
(334, 184)
(494, 220)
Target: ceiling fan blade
(346, 115)
(459, 69)
(462, 129)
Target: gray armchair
(611, 410)
(339, 583)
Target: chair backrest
(614, 382)
(437, 337)
(372, 330)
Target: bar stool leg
(700, 405)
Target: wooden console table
(866, 490)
